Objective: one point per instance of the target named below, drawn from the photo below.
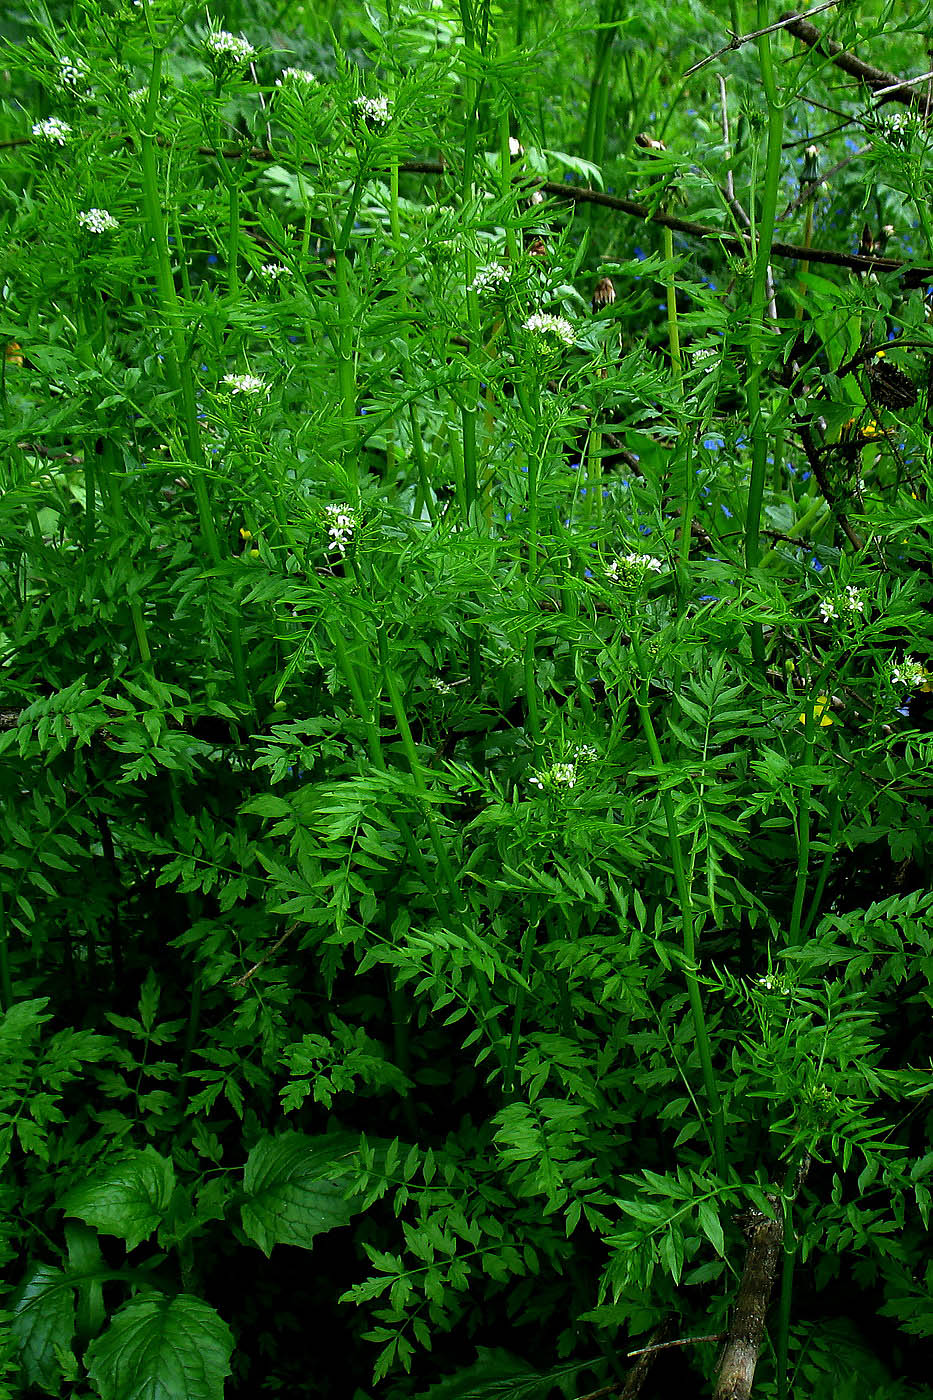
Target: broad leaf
(291, 1193)
(129, 1200)
(43, 1320)
(162, 1349)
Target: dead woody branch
(894, 89)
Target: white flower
(584, 753)
(245, 384)
(490, 277)
(72, 76)
(899, 125)
(910, 673)
(52, 130)
(442, 687)
(709, 352)
(559, 775)
(644, 561)
(373, 110)
(828, 609)
(138, 96)
(229, 48)
(631, 567)
(774, 984)
(273, 271)
(341, 523)
(515, 147)
(97, 221)
(298, 77)
(546, 329)
(854, 599)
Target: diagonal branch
(895, 89)
(737, 40)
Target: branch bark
(740, 1354)
(898, 90)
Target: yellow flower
(871, 430)
(245, 534)
(820, 712)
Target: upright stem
(233, 239)
(688, 925)
(673, 329)
(755, 381)
(176, 360)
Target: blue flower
(211, 259)
(644, 529)
(815, 564)
(713, 444)
(726, 512)
(640, 253)
(709, 598)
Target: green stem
(805, 528)
(6, 982)
(688, 925)
(346, 376)
(233, 239)
(518, 1009)
(803, 837)
(417, 773)
(759, 300)
(824, 870)
(787, 1285)
(176, 360)
(673, 329)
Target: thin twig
(904, 83)
(737, 40)
(677, 1342)
(248, 976)
(895, 88)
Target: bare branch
(736, 41)
(248, 976)
(894, 88)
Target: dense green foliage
(464, 751)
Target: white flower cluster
(138, 96)
(53, 130)
(97, 221)
(341, 523)
(770, 983)
(373, 110)
(245, 384)
(490, 277)
(273, 271)
(631, 566)
(559, 775)
(546, 329)
(442, 687)
(297, 77)
(221, 46)
(910, 673)
(72, 76)
(709, 352)
(853, 601)
(899, 124)
(584, 753)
